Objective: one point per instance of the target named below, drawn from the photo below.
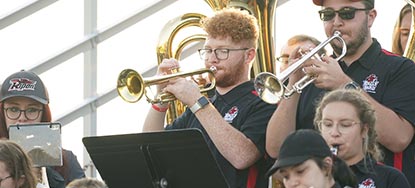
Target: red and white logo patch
(231, 114)
(21, 84)
(367, 183)
(370, 84)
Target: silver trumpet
(271, 88)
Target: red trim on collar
(397, 161)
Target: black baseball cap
(320, 2)
(24, 84)
(298, 147)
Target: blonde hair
(87, 182)
(396, 35)
(364, 110)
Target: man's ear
(250, 55)
(372, 15)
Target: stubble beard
(353, 45)
(231, 77)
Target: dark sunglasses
(345, 13)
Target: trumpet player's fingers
(184, 90)
(313, 61)
(304, 71)
(328, 60)
(309, 63)
(307, 70)
(330, 75)
(168, 66)
(295, 53)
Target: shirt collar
(365, 166)
(235, 93)
(368, 59)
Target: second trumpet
(271, 88)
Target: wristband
(159, 109)
(202, 102)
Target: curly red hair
(234, 23)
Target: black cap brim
(291, 161)
(38, 99)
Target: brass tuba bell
(165, 48)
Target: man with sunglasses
(234, 119)
(387, 80)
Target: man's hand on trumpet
(296, 55)
(168, 66)
(185, 90)
(327, 73)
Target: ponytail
(342, 173)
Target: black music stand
(166, 159)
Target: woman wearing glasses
(351, 131)
(24, 100)
(15, 167)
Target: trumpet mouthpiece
(334, 150)
(213, 69)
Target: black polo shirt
(244, 110)
(389, 79)
(370, 173)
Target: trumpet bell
(271, 87)
(268, 87)
(130, 85)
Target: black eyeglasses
(220, 53)
(345, 13)
(14, 113)
(2, 179)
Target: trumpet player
(234, 120)
(386, 80)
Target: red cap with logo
(320, 2)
